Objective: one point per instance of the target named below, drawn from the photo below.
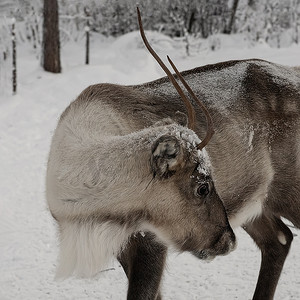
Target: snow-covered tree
(272, 21)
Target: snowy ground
(28, 245)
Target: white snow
(28, 244)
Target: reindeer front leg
(274, 239)
(143, 262)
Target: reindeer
(252, 162)
(122, 169)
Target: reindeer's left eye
(203, 189)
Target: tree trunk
(51, 45)
(191, 21)
(87, 36)
(228, 28)
(87, 43)
(14, 58)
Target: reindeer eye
(203, 190)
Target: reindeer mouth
(222, 246)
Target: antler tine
(210, 129)
(189, 107)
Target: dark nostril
(232, 240)
(229, 238)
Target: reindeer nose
(224, 245)
(228, 240)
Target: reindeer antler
(210, 129)
(189, 107)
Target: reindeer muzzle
(223, 246)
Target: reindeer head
(184, 209)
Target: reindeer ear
(167, 156)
